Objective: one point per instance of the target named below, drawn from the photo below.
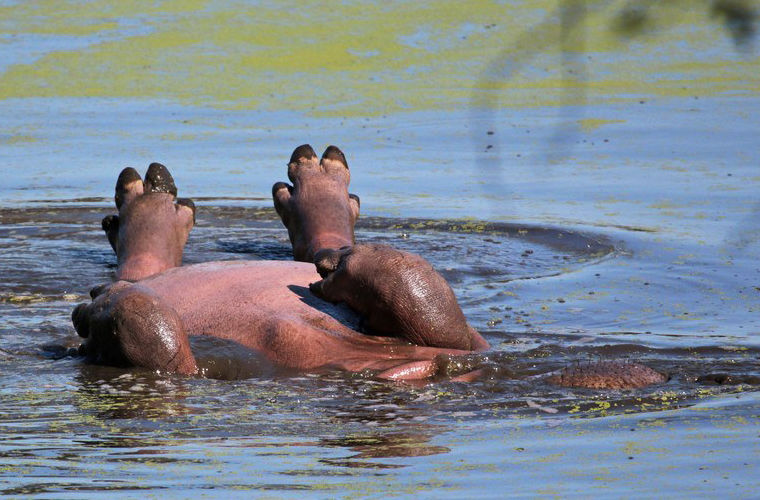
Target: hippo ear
(99, 290)
(327, 260)
(281, 193)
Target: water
(624, 226)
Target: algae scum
(584, 174)
(364, 58)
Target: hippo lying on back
(292, 314)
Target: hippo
(339, 305)
(411, 301)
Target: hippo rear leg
(317, 209)
(150, 231)
(129, 325)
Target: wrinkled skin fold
(295, 316)
(397, 293)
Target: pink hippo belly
(267, 306)
(232, 299)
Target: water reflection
(115, 393)
(74, 422)
(376, 445)
(486, 262)
(148, 405)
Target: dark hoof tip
(355, 198)
(302, 151)
(110, 223)
(78, 317)
(281, 185)
(187, 202)
(159, 180)
(334, 153)
(125, 183)
(128, 176)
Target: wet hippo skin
(276, 308)
(398, 294)
(145, 318)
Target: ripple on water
(59, 414)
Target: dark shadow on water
(260, 249)
(373, 445)
(224, 359)
(128, 393)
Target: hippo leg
(399, 294)
(129, 325)
(152, 227)
(317, 208)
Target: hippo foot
(128, 325)
(317, 209)
(150, 232)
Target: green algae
(18, 139)
(365, 58)
(591, 124)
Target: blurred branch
(739, 17)
(563, 28)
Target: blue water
(653, 225)
(673, 197)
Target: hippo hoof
(334, 153)
(302, 151)
(159, 180)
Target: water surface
(607, 215)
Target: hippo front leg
(129, 325)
